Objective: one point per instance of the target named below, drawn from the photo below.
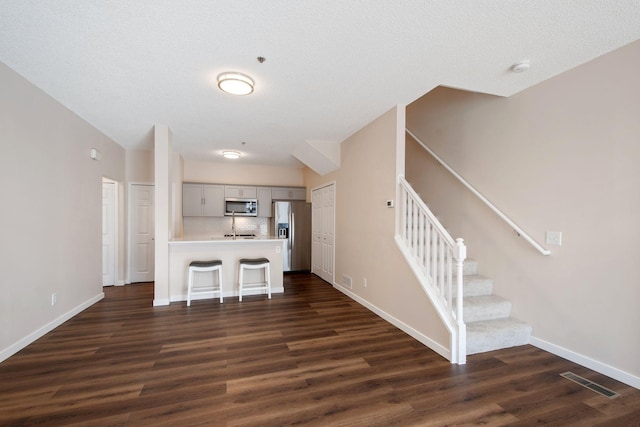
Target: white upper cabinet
(202, 200)
(264, 202)
(192, 199)
(240, 192)
(213, 200)
(289, 193)
(208, 199)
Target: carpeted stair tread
(495, 334)
(485, 307)
(475, 285)
(469, 267)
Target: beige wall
(51, 212)
(365, 228)
(139, 166)
(234, 173)
(560, 156)
(140, 169)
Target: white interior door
(322, 231)
(142, 250)
(328, 239)
(108, 233)
(316, 231)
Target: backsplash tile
(216, 226)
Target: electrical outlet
(54, 298)
(364, 282)
(278, 249)
(554, 238)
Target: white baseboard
(16, 347)
(161, 302)
(120, 283)
(585, 361)
(435, 346)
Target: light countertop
(222, 239)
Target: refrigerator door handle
(292, 229)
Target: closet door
(323, 232)
(316, 231)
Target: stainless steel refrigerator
(292, 221)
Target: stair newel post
(460, 256)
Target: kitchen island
(230, 251)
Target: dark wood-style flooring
(310, 356)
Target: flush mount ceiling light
(231, 154)
(235, 83)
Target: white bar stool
(201, 267)
(254, 264)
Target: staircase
(487, 316)
(479, 321)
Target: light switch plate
(554, 238)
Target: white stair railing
(433, 255)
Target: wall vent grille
(590, 385)
(346, 281)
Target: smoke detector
(521, 67)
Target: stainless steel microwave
(241, 207)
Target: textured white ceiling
(332, 65)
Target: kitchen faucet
(233, 224)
